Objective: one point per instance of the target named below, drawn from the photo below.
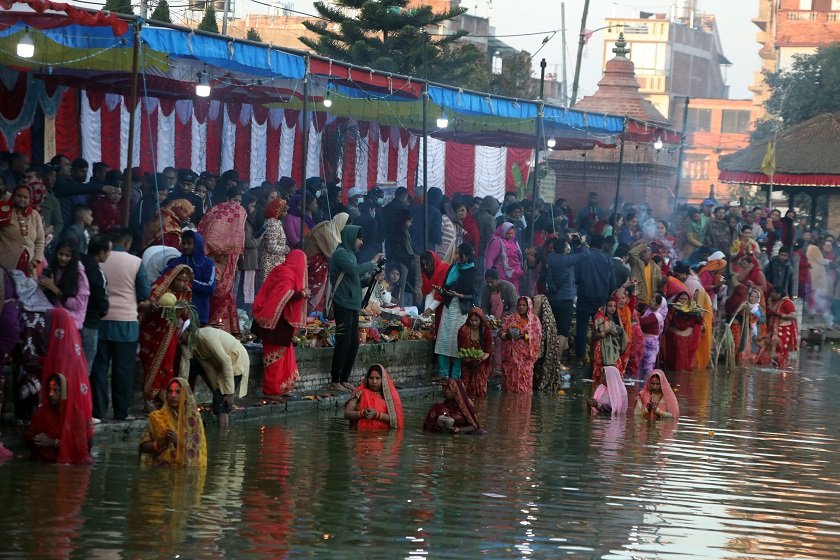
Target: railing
(803, 16)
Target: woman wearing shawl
(458, 298)
(21, 233)
(503, 254)
(610, 395)
(280, 309)
(609, 340)
(65, 282)
(744, 309)
(711, 278)
(656, 399)
(453, 233)
(291, 224)
(165, 227)
(821, 257)
(62, 427)
(223, 228)
(273, 247)
(652, 324)
(548, 367)
(521, 340)
(454, 415)
(624, 309)
(682, 335)
(319, 246)
(375, 404)
(477, 334)
(174, 435)
(433, 273)
(782, 327)
(204, 272)
(158, 335)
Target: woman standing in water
(609, 340)
(521, 339)
(476, 334)
(656, 399)
(610, 395)
(455, 414)
(458, 296)
(174, 434)
(375, 404)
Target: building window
(735, 121)
(699, 120)
(806, 5)
(835, 5)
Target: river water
(752, 470)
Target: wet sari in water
(607, 349)
(159, 337)
(279, 309)
(476, 373)
(548, 367)
(460, 408)
(668, 402)
(191, 447)
(682, 335)
(519, 356)
(387, 402)
(610, 396)
(784, 333)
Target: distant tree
(810, 87)
(388, 36)
(254, 35)
(118, 6)
(161, 12)
(208, 23)
(515, 78)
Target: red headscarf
(669, 399)
(438, 277)
(275, 298)
(275, 208)
(71, 423)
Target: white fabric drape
(165, 140)
(228, 142)
(362, 157)
(382, 161)
(90, 123)
(313, 154)
(258, 151)
(437, 163)
(198, 146)
(490, 171)
(402, 165)
(287, 149)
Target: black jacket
(98, 301)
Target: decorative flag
(768, 164)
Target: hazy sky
(737, 32)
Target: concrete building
(675, 55)
(788, 28)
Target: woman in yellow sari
(174, 434)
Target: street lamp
(442, 120)
(551, 142)
(26, 47)
(657, 145)
(202, 88)
(327, 100)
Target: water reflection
(750, 471)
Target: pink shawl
(510, 267)
(614, 393)
(669, 399)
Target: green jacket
(348, 294)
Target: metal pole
(581, 42)
(305, 151)
(129, 157)
(538, 145)
(225, 17)
(620, 165)
(425, 141)
(144, 9)
(564, 91)
(683, 134)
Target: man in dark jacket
(595, 283)
(560, 268)
(98, 251)
(435, 196)
(346, 286)
(779, 273)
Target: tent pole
(620, 165)
(425, 141)
(129, 158)
(304, 152)
(538, 145)
(683, 134)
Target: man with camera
(346, 299)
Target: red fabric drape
(13, 98)
(272, 151)
(460, 168)
(515, 156)
(110, 144)
(214, 143)
(67, 125)
(413, 162)
(183, 143)
(393, 157)
(23, 142)
(3, 146)
(148, 140)
(373, 156)
(348, 172)
(242, 150)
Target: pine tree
(118, 6)
(161, 12)
(253, 35)
(208, 22)
(388, 36)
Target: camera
(380, 264)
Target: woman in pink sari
(280, 309)
(656, 399)
(521, 339)
(610, 396)
(503, 254)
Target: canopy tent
(804, 155)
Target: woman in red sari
(432, 273)
(62, 427)
(476, 333)
(455, 414)
(782, 327)
(159, 336)
(279, 309)
(165, 227)
(682, 334)
(319, 245)
(375, 404)
(521, 340)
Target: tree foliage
(254, 35)
(118, 6)
(810, 87)
(161, 12)
(208, 22)
(515, 78)
(388, 36)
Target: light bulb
(551, 142)
(442, 120)
(657, 145)
(25, 47)
(327, 101)
(202, 88)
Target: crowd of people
(520, 289)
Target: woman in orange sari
(279, 309)
(159, 336)
(476, 333)
(165, 228)
(375, 404)
(521, 340)
(174, 435)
